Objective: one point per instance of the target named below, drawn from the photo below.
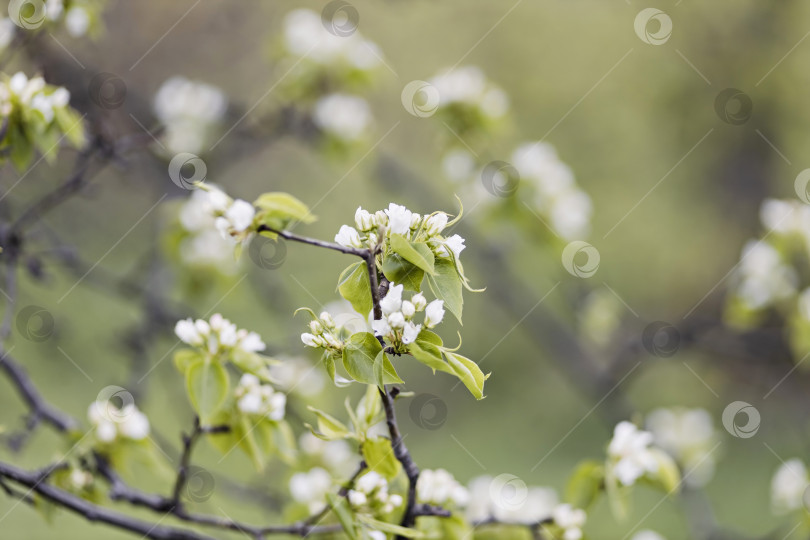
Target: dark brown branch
(92, 512)
(287, 235)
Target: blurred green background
(623, 114)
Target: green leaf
(185, 357)
(344, 514)
(450, 528)
(355, 287)
(668, 476)
(469, 373)
(360, 355)
(585, 484)
(398, 270)
(253, 363)
(446, 285)
(417, 253)
(245, 434)
(379, 457)
(277, 210)
(429, 354)
(329, 426)
(390, 528)
(207, 385)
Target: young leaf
(245, 436)
(585, 484)
(430, 355)
(344, 514)
(469, 373)
(417, 253)
(355, 287)
(668, 477)
(329, 426)
(379, 457)
(446, 284)
(185, 357)
(277, 210)
(398, 270)
(207, 384)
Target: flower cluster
(233, 218)
(630, 454)
(110, 423)
(343, 116)
(370, 495)
(439, 487)
(218, 335)
(397, 219)
(190, 112)
(296, 374)
(557, 196)
(257, 399)
(763, 278)
(788, 487)
(310, 488)
(20, 91)
(488, 503)
(78, 17)
(305, 36)
(397, 325)
(468, 87)
(204, 245)
(323, 333)
(688, 435)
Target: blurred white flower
(217, 335)
(570, 520)
(343, 116)
(305, 36)
(370, 495)
(310, 488)
(253, 397)
(189, 110)
(7, 31)
(629, 453)
(647, 535)
(688, 435)
(458, 165)
(77, 21)
(763, 277)
(788, 486)
(296, 374)
(439, 487)
(109, 422)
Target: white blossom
(434, 313)
(370, 495)
(363, 219)
(399, 219)
(435, 223)
(310, 488)
(419, 301)
(77, 21)
(630, 453)
(788, 486)
(344, 116)
(392, 302)
(570, 520)
(109, 422)
(439, 487)
(189, 110)
(218, 335)
(455, 245)
(348, 237)
(259, 399)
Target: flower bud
(311, 341)
(435, 223)
(326, 319)
(396, 320)
(419, 301)
(407, 309)
(363, 219)
(434, 313)
(415, 220)
(315, 327)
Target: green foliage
(365, 361)
(278, 210)
(379, 457)
(445, 283)
(416, 253)
(208, 384)
(585, 484)
(354, 286)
